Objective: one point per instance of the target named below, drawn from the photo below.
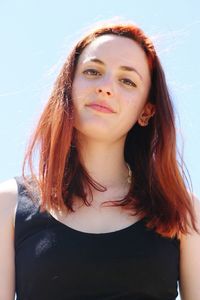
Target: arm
(8, 199)
(190, 261)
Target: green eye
(91, 72)
(128, 82)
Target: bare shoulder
(8, 202)
(8, 199)
(189, 259)
(195, 201)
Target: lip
(101, 106)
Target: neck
(104, 162)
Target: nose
(105, 89)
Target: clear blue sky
(36, 36)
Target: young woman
(107, 215)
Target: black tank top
(55, 262)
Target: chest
(128, 264)
(97, 220)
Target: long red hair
(159, 190)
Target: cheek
(80, 90)
(135, 102)
(131, 108)
(76, 93)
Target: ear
(147, 112)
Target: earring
(143, 122)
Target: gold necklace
(129, 178)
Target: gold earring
(143, 122)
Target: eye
(128, 82)
(92, 72)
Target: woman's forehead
(112, 44)
(116, 50)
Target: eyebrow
(124, 68)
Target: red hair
(159, 189)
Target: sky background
(36, 37)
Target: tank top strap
(25, 202)
(28, 216)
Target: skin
(101, 136)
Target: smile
(100, 108)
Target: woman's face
(111, 71)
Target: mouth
(100, 108)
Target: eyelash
(89, 71)
(130, 82)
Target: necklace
(129, 178)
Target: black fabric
(56, 262)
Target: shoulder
(8, 200)
(195, 201)
(189, 258)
